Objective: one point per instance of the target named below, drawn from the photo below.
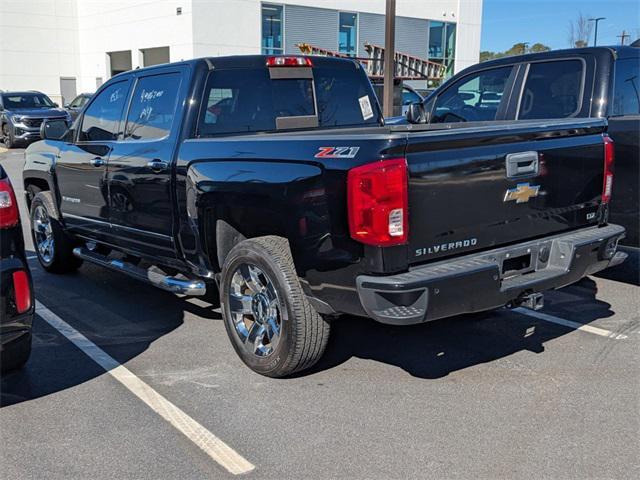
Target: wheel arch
(33, 184)
(227, 225)
(253, 199)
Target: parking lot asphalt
(499, 395)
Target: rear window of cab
(249, 100)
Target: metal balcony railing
(407, 67)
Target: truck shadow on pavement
(123, 317)
(627, 272)
(435, 349)
(120, 315)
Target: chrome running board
(153, 277)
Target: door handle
(97, 162)
(157, 166)
(522, 164)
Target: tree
(538, 47)
(580, 31)
(516, 49)
(486, 55)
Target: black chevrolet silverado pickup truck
(274, 181)
(579, 82)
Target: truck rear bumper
(491, 279)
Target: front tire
(7, 137)
(53, 246)
(270, 323)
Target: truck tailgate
(475, 188)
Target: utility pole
(595, 36)
(389, 57)
(623, 36)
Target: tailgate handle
(522, 164)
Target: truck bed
(457, 176)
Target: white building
(64, 47)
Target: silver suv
(22, 113)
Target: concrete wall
(468, 33)
(467, 14)
(38, 45)
(446, 10)
(129, 25)
(223, 27)
(43, 40)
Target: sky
(505, 22)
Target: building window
(272, 29)
(442, 44)
(450, 41)
(348, 34)
(436, 34)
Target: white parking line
(219, 451)
(568, 323)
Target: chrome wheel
(254, 310)
(43, 234)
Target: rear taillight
(377, 196)
(8, 206)
(289, 62)
(609, 157)
(22, 291)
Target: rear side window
(248, 100)
(153, 107)
(626, 95)
(102, 118)
(345, 98)
(552, 90)
(474, 98)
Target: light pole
(595, 34)
(389, 57)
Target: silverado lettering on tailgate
(445, 247)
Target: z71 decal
(337, 152)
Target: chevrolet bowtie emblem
(522, 193)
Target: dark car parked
(16, 292)
(586, 82)
(403, 95)
(22, 113)
(77, 104)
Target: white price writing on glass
(147, 96)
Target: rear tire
(53, 246)
(270, 323)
